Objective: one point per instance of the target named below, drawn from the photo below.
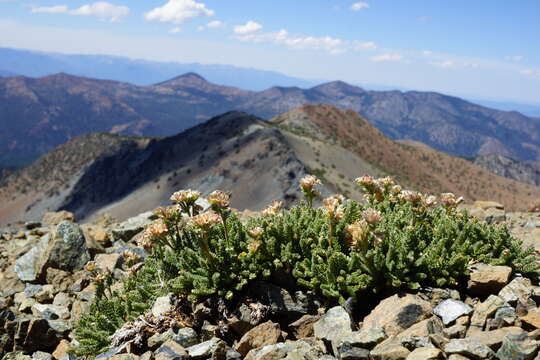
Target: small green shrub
(396, 240)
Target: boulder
(162, 305)
(301, 349)
(333, 325)
(449, 310)
(215, 348)
(518, 347)
(67, 250)
(132, 226)
(27, 266)
(471, 348)
(303, 327)
(425, 353)
(488, 279)
(171, 350)
(397, 313)
(267, 333)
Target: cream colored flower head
(273, 209)
(372, 216)
(430, 201)
(256, 232)
(356, 232)
(308, 182)
(206, 220)
(219, 198)
(385, 181)
(185, 196)
(167, 212)
(450, 200)
(157, 228)
(410, 196)
(333, 207)
(366, 180)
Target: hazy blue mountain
(5, 73)
(526, 109)
(138, 72)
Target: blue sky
(477, 49)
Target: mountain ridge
(61, 106)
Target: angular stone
(449, 310)
(50, 312)
(494, 338)
(347, 351)
(281, 302)
(482, 312)
(158, 339)
(215, 348)
(494, 216)
(40, 355)
(309, 348)
(425, 353)
(132, 226)
(469, 347)
(303, 327)
(397, 313)
(333, 325)
(390, 349)
(67, 251)
(519, 288)
(267, 333)
(186, 337)
(46, 294)
(107, 262)
(532, 318)
(26, 267)
(171, 350)
(39, 336)
(62, 349)
(517, 347)
(366, 338)
(487, 279)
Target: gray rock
(233, 355)
(469, 347)
(40, 355)
(158, 339)
(30, 290)
(186, 337)
(51, 312)
(214, 347)
(334, 324)
(126, 230)
(291, 350)
(425, 353)
(112, 352)
(366, 338)
(449, 310)
(346, 351)
(171, 351)
(517, 347)
(488, 279)
(26, 267)
(67, 251)
(518, 289)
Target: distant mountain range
(37, 115)
(257, 160)
(5, 73)
(509, 168)
(138, 72)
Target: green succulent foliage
(112, 308)
(232, 267)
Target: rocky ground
(44, 289)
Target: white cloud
(387, 57)
(427, 52)
(514, 58)
(215, 24)
(298, 42)
(249, 27)
(175, 30)
(358, 45)
(57, 9)
(359, 6)
(453, 64)
(445, 64)
(179, 11)
(530, 72)
(102, 10)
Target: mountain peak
(187, 79)
(338, 86)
